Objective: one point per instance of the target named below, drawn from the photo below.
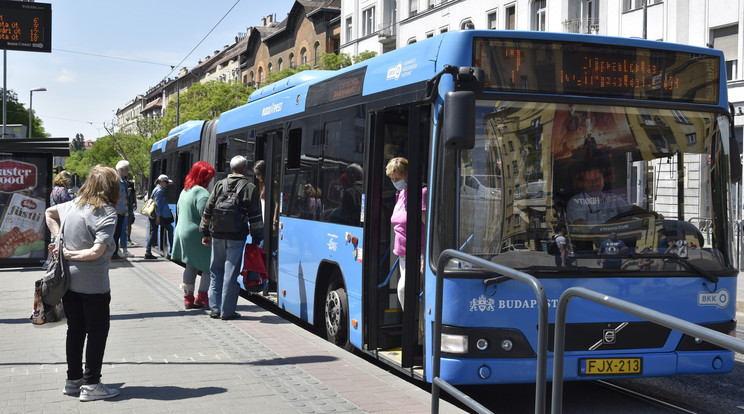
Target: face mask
(400, 185)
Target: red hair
(200, 175)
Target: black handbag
(56, 281)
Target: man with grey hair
(228, 242)
(120, 235)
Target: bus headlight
(454, 344)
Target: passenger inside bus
(351, 197)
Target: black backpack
(227, 216)
(553, 248)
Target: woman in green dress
(187, 245)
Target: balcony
(386, 33)
(585, 26)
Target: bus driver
(594, 206)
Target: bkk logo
(718, 298)
(17, 176)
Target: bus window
(593, 170)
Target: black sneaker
(235, 315)
(214, 315)
(149, 256)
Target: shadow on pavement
(162, 393)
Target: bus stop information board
(26, 26)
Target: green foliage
(206, 101)
(364, 56)
(332, 61)
(284, 73)
(78, 143)
(18, 115)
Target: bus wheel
(337, 317)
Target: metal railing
(504, 273)
(686, 327)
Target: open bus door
(269, 149)
(399, 132)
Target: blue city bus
(622, 145)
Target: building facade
(309, 30)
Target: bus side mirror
(459, 120)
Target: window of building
(316, 51)
(412, 7)
(629, 5)
(727, 40)
(443, 29)
(411, 41)
(291, 61)
(491, 20)
(270, 67)
(368, 21)
(430, 4)
(467, 25)
(511, 17)
(303, 56)
(538, 15)
(691, 138)
(252, 79)
(429, 34)
(349, 33)
(279, 64)
(260, 76)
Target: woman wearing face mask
(397, 170)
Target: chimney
(263, 21)
(269, 19)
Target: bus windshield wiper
(686, 263)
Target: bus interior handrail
(542, 338)
(669, 321)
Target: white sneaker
(72, 387)
(126, 254)
(97, 392)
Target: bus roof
(411, 64)
(186, 133)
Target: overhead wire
(203, 39)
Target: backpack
(553, 248)
(227, 216)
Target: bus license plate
(610, 366)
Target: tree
(18, 114)
(78, 143)
(206, 101)
(332, 61)
(284, 73)
(364, 56)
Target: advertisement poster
(24, 194)
(584, 140)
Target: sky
(105, 53)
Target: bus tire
(337, 317)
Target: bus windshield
(627, 182)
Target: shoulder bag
(149, 207)
(49, 290)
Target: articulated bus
(623, 145)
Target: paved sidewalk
(167, 359)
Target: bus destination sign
(26, 26)
(566, 68)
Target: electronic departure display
(26, 26)
(569, 68)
